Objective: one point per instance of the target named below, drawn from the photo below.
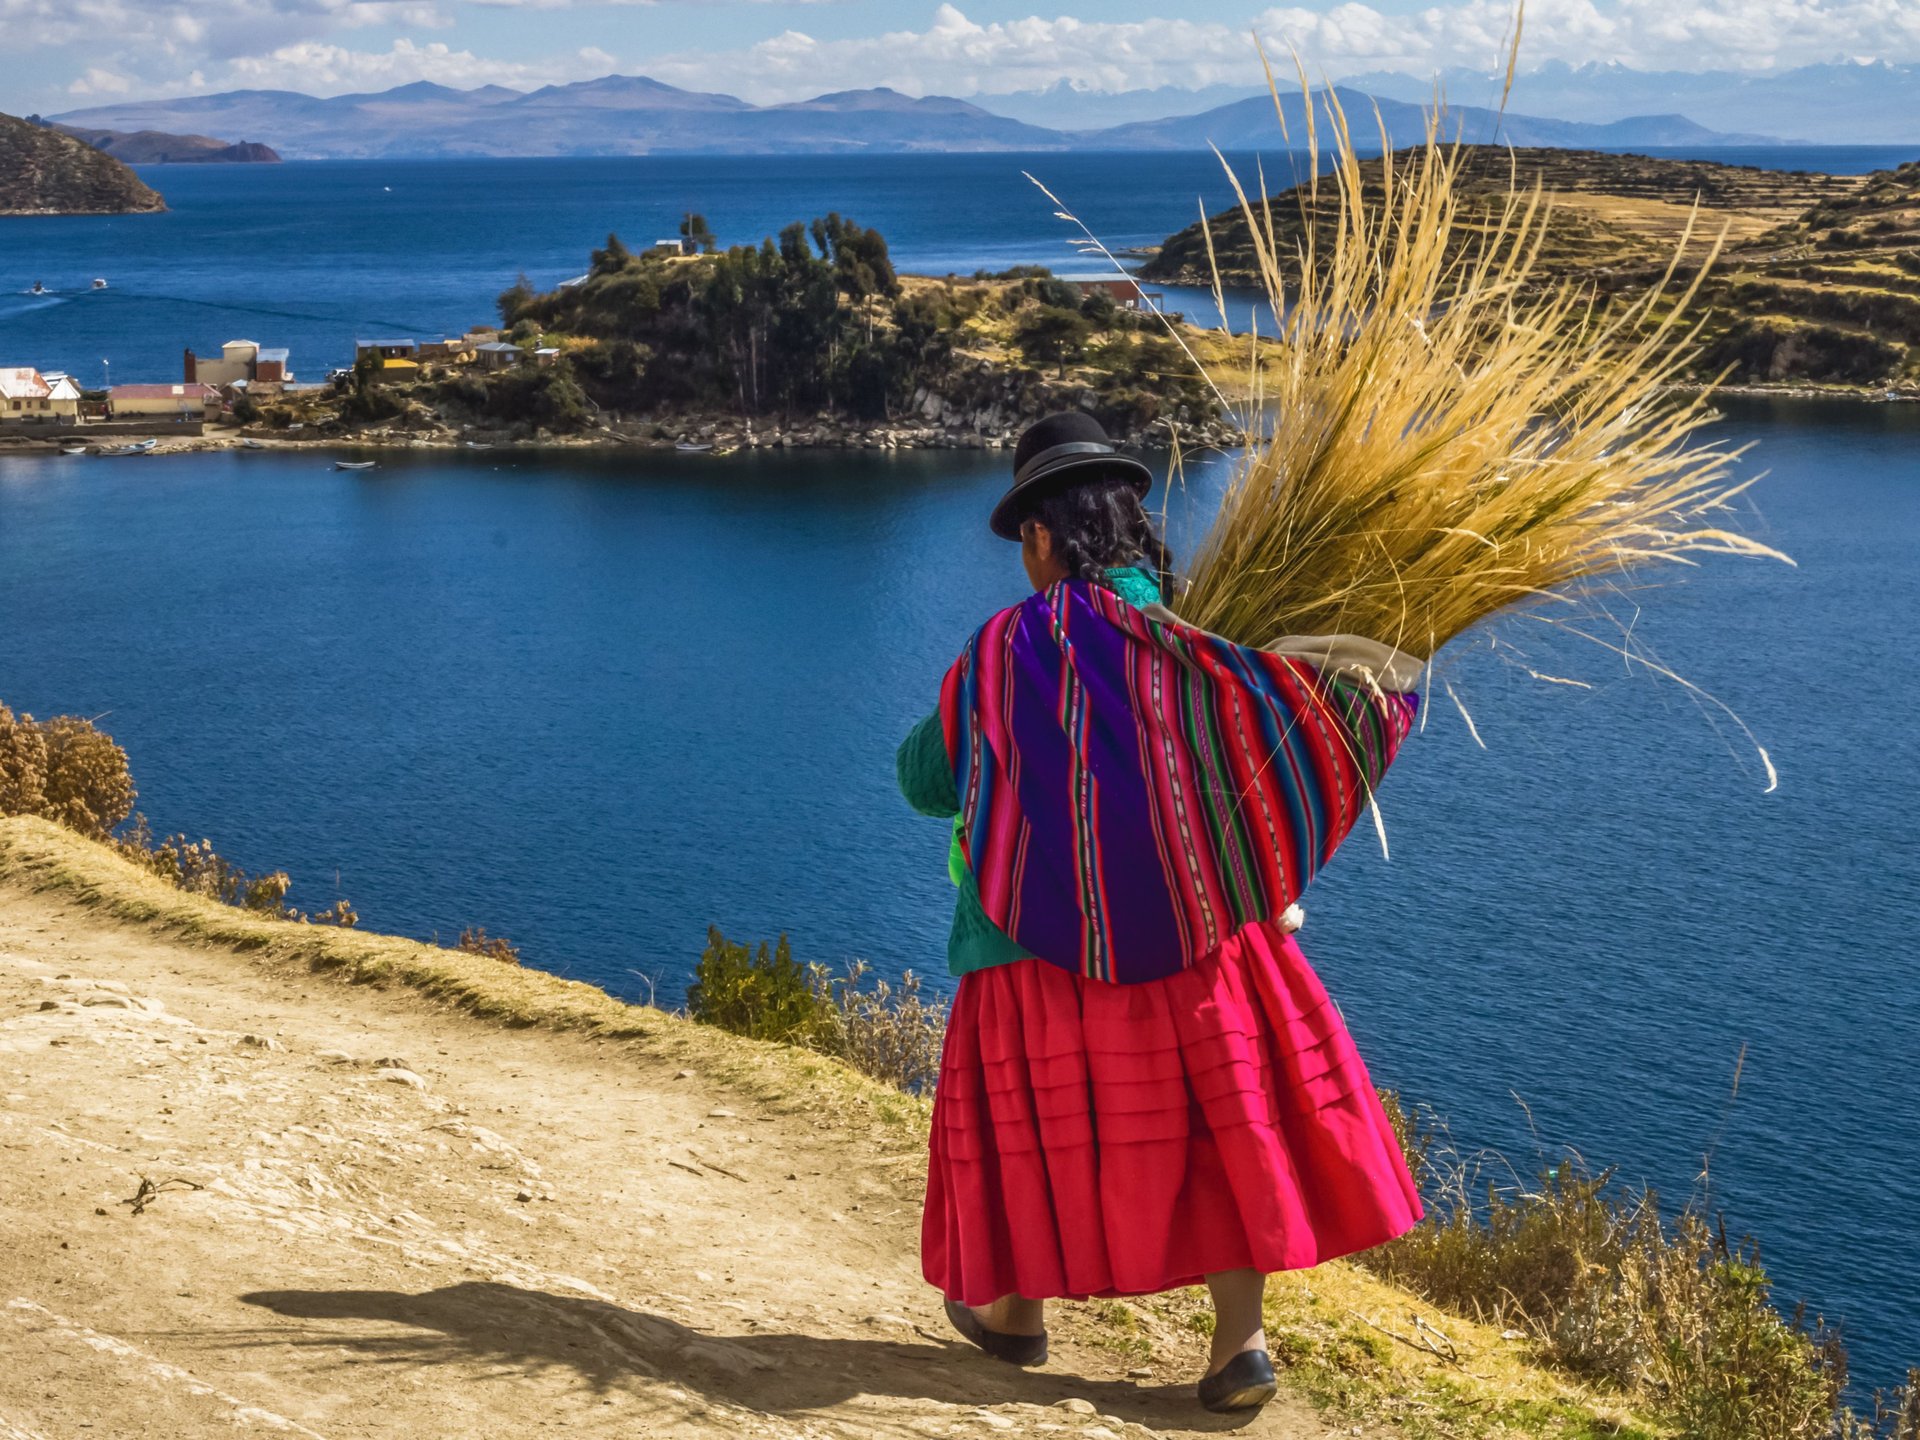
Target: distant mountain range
(1250, 124)
(1067, 105)
(631, 115)
(1837, 104)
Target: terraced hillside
(1820, 280)
(1834, 294)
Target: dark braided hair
(1101, 523)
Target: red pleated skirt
(1100, 1139)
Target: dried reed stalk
(1447, 435)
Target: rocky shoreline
(929, 422)
(729, 434)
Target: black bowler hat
(1056, 453)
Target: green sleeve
(925, 774)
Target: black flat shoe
(1014, 1349)
(1243, 1383)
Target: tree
(516, 298)
(695, 231)
(923, 330)
(610, 260)
(1052, 333)
(862, 268)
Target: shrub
(23, 765)
(1674, 1312)
(1772, 347)
(764, 995)
(546, 396)
(475, 940)
(65, 770)
(196, 867)
(68, 771)
(367, 400)
(892, 1034)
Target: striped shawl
(1133, 791)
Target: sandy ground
(372, 1215)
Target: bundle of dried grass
(1447, 435)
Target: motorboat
(37, 289)
(99, 284)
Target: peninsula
(46, 172)
(1818, 282)
(157, 147)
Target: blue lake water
(596, 703)
(313, 254)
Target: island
(808, 338)
(44, 172)
(1818, 282)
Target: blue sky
(65, 54)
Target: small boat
(74, 448)
(725, 449)
(139, 447)
(354, 464)
(687, 447)
(247, 442)
(99, 284)
(478, 445)
(297, 425)
(37, 289)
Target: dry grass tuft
(1449, 436)
(1672, 1313)
(475, 941)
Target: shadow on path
(607, 1345)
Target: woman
(1144, 1085)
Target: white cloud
(173, 28)
(324, 68)
(170, 47)
(100, 82)
(957, 56)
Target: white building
(26, 394)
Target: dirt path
(376, 1216)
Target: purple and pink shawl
(1133, 792)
